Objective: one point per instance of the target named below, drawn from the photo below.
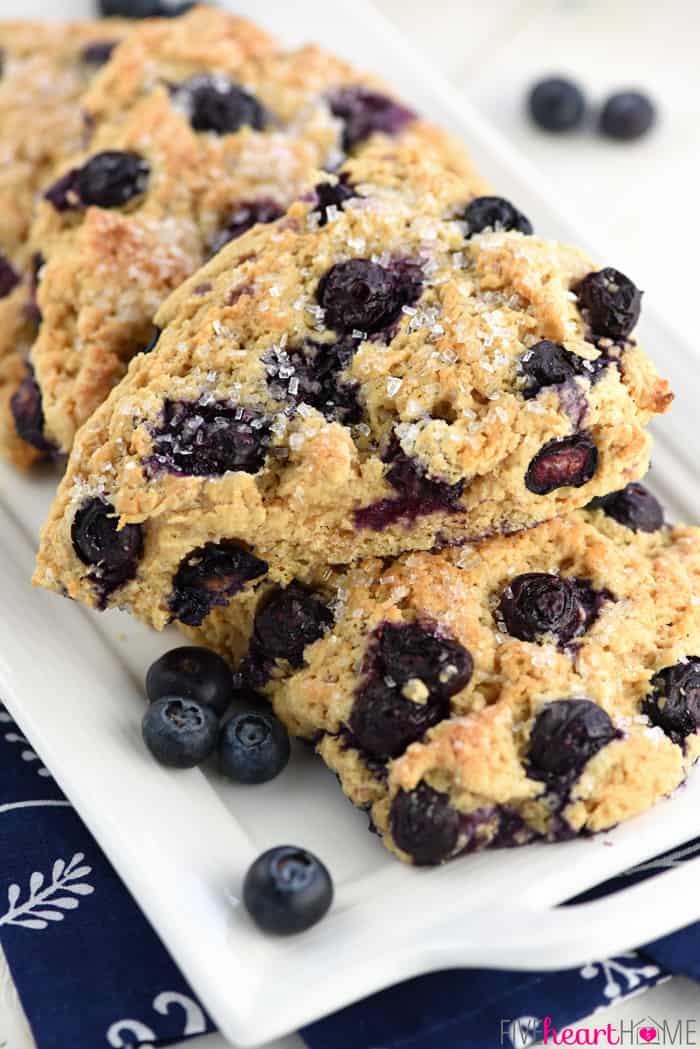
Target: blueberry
(362, 295)
(113, 552)
(287, 890)
(634, 507)
(563, 462)
(547, 364)
(37, 264)
(254, 747)
(423, 824)
(610, 303)
(674, 700)
(207, 440)
(193, 673)
(214, 103)
(9, 278)
(108, 180)
(112, 178)
(28, 413)
(556, 104)
(209, 576)
(411, 674)
(288, 620)
(536, 605)
(180, 732)
(494, 213)
(312, 375)
(365, 112)
(98, 52)
(246, 215)
(153, 341)
(566, 733)
(627, 115)
(419, 493)
(332, 195)
(143, 8)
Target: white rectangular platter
(182, 841)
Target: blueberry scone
(203, 129)
(45, 68)
(352, 381)
(530, 688)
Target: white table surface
(642, 200)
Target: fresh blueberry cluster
(190, 691)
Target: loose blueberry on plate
(627, 115)
(674, 701)
(556, 104)
(566, 733)
(424, 824)
(254, 747)
(566, 462)
(611, 303)
(179, 732)
(287, 890)
(143, 8)
(494, 213)
(634, 507)
(194, 673)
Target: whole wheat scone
(46, 67)
(228, 131)
(384, 381)
(535, 687)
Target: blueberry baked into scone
(528, 688)
(202, 128)
(45, 69)
(353, 380)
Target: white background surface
(641, 199)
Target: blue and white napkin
(91, 972)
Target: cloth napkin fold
(92, 973)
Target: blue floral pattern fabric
(91, 972)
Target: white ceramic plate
(182, 841)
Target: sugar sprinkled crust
(478, 757)
(353, 444)
(165, 88)
(46, 68)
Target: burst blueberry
(112, 552)
(360, 295)
(217, 104)
(674, 700)
(566, 734)
(424, 825)
(634, 507)
(547, 364)
(556, 104)
(98, 52)
(246, 215)
(254, 747)
(179, 732)
(411, 672)
(108, 180)
(200, 440)
(287, 890)
(611, 303)
(210, 576)
(538, 605)
(287, 621)
(366, 112)
(192, 672)
(332, 195)
(312, 375)
(28, 412)
(565, 462)
(9, 278)
(494, 213)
